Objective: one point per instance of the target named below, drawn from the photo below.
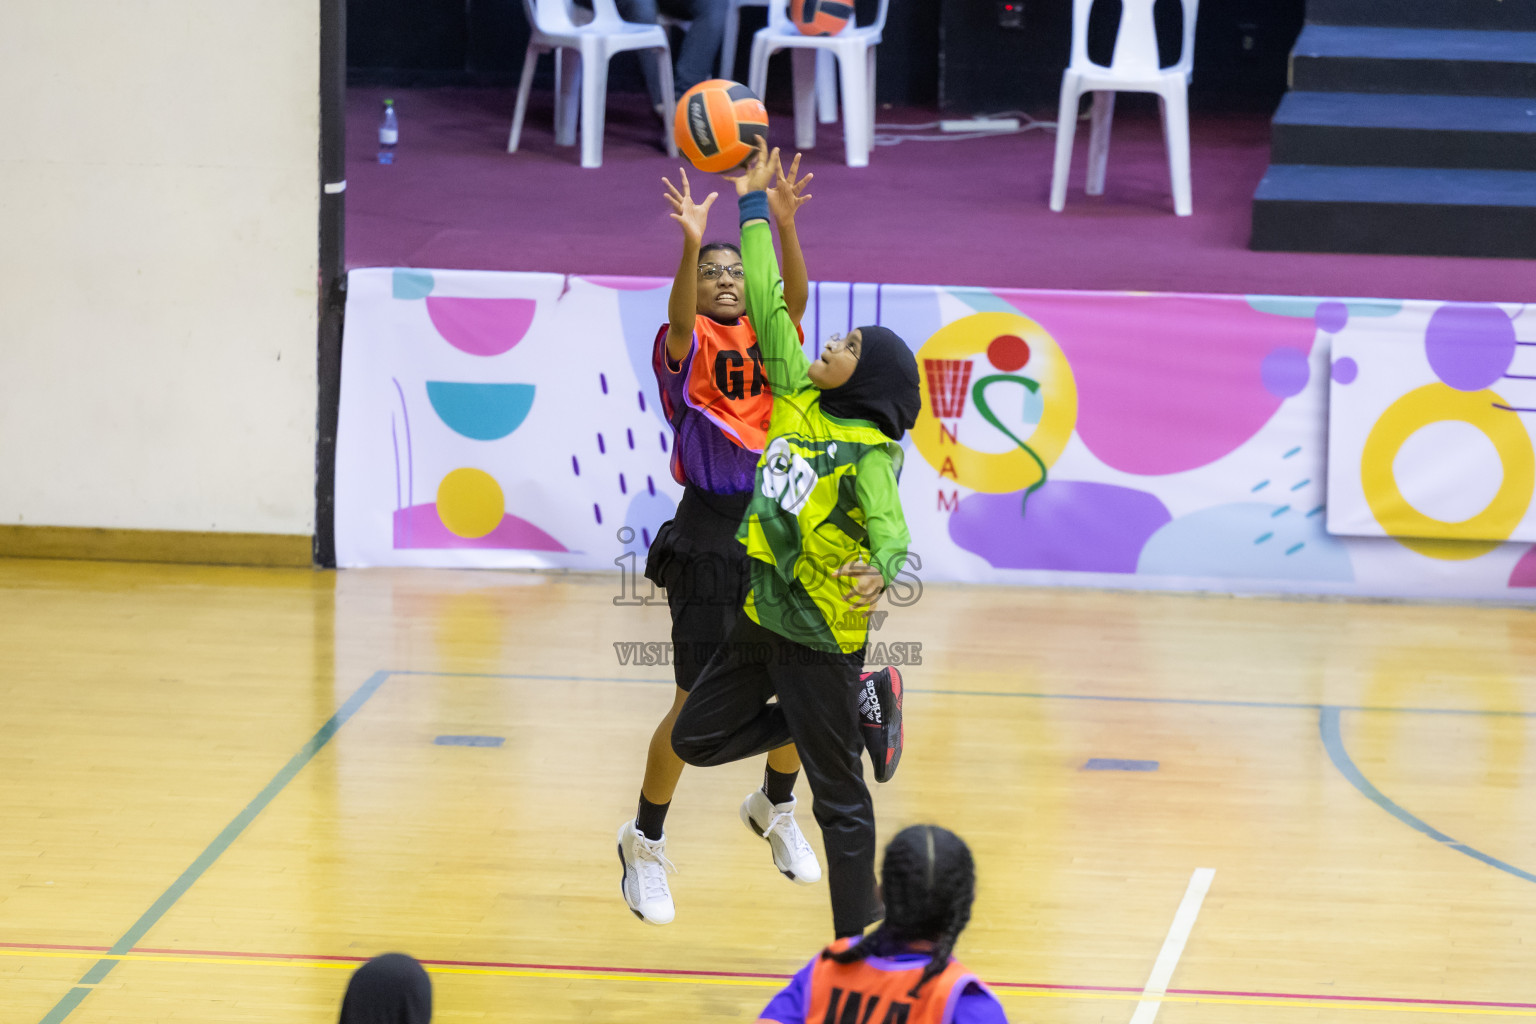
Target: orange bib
(875, 991)
(726, 381)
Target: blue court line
(1028, 695)
(470, 741)
(1203, 702)
(1118, 764)
(1333, 741)
(215, 849)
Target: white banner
(1103, 439)
(1430, 421)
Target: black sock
(650, 817)
(779, 786)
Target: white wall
(158, 262)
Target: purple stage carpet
(943, 213)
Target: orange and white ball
(718, 124)
(820, 17)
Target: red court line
(1066, 988)
(667, 971)
(677, 972)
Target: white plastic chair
(1133, 68)
(732, 30)
(551, 28)
(826, 70)
(854, 49)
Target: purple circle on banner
(1345, 370)
(1469, 347)
(1284, 372)
(1332, 316)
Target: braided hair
(929, 881)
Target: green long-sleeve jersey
(825, 492)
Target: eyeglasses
(710, 271)
(841, 343)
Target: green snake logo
(978, 396)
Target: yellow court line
(577, 975)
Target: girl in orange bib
(902, 972)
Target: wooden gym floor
(221, 788)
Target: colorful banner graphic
(1103, 439)
(1431, 415)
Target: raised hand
(690, 216)
(787, 194)
(759, 171)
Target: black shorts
(704, 569)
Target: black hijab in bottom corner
(389, 989)
(884, 387)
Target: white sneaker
(644, 882)
(776, 823)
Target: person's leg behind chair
(699, 54)
(643, 12)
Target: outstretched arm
(683, 304)
(783, 359)
(784, 199)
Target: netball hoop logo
(999, 403)
(948, 381)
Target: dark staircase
(1410, 128)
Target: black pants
(728, 717)
(703, 567)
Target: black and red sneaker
(880, 720)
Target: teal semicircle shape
(1285, 305)
(983, 301)
(412, 284)
(482, 412)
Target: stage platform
(967, 212)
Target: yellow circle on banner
(955, 345)
(1448, 550)
(1435, 403)
(470, 503)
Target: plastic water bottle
(389, 133)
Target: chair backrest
(547, 16)
(778, 16)
(1136, 40)
(557, 16)
(605, 14)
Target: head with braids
(929, 880)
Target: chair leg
(567, 88)
(1066, 128)
(728, 41)
(594, 100)
(530, 62)
(826, 87)
(869, 57)
(757, 67)
(668, 99)
(854, 79)
(1176, 130)
(805, 97)
(1098, 140)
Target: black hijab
(884, 387)
(389, 989)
